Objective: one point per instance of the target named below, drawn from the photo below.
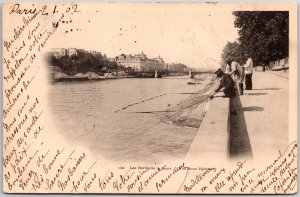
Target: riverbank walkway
(266, 112)
(259, 130)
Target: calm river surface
(105, 116)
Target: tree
(263, 35)
(51, 59)
(83, 61)
(235, 51)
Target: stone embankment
(258, 129)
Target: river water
(119, 120)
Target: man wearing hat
(226, 84)
(234, 70)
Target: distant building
(128, 61)
(159, 59)
(104, 57)
(71, 51)
(60, 52)
(152, 64)
(139, 62)
(96, 53)
(178, 67)
(82, 50)
(167, 66)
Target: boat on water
(193, 82)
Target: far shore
(91, 76)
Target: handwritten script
(31, 163)
(279, 176)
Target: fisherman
(226, 84)
(236, 72)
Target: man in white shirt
(248, 71)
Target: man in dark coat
(226, 84)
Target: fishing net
(191, 111)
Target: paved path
(265, 110)
(281, 73)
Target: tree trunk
(264, 68)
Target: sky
(193, 34)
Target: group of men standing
(234, 77)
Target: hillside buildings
(138, 62)
(60, 52)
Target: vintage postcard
(150, 98)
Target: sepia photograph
(150, 98)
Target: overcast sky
(193, 34)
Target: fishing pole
(149, 112)
(139, 102)
(130, 105)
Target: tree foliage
(233, 50)
(83, 62)
(263, 35)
